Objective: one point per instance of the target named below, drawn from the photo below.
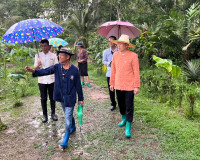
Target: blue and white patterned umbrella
(56, 42)
(31, 30)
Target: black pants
(126, 103)
(112, 93)
(83, 69)
(43, 94)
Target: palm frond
(193, 11)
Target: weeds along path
(100, 138)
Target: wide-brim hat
(79, 44)
(66, 51)
(123, 39)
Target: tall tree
(82, 22)
(15, 10)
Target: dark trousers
(126, 103)
(111, 93)
(43, 94)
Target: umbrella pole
(36, 46)
(119, 32)
(35, 40)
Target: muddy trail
(100, 138)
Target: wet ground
(100, 138)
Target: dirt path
(100, 138)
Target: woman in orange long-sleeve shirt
(125, 78)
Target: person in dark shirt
(67, 84)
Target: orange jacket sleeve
(136, 71)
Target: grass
(98, 78)
(180, 136)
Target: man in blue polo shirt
(107, 60)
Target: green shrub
(2, 125)
(17, 103)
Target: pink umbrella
(117, 28)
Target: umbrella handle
(80, 109)
(80, 114)
(38, 56)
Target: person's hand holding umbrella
(81, 102)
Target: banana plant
(14, 83)
(192, 95)
(181, 88)
(2, 125)
(5, 56)
(22, 54)
(173, 71)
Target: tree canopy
(172, 23)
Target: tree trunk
(180, 100)
(192, 108)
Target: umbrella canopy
(31, 30)
(117, 28)
(56, 42)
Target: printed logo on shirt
(72, 77)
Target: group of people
(48, 58)
(64, 81)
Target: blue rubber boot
(65, 140)
(123, 122)
(128, 130)
(73, 128)
(82, 83)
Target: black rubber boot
(45, 119)
(53, 116)
(112, 108)
(44, 107)
(44, 110)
